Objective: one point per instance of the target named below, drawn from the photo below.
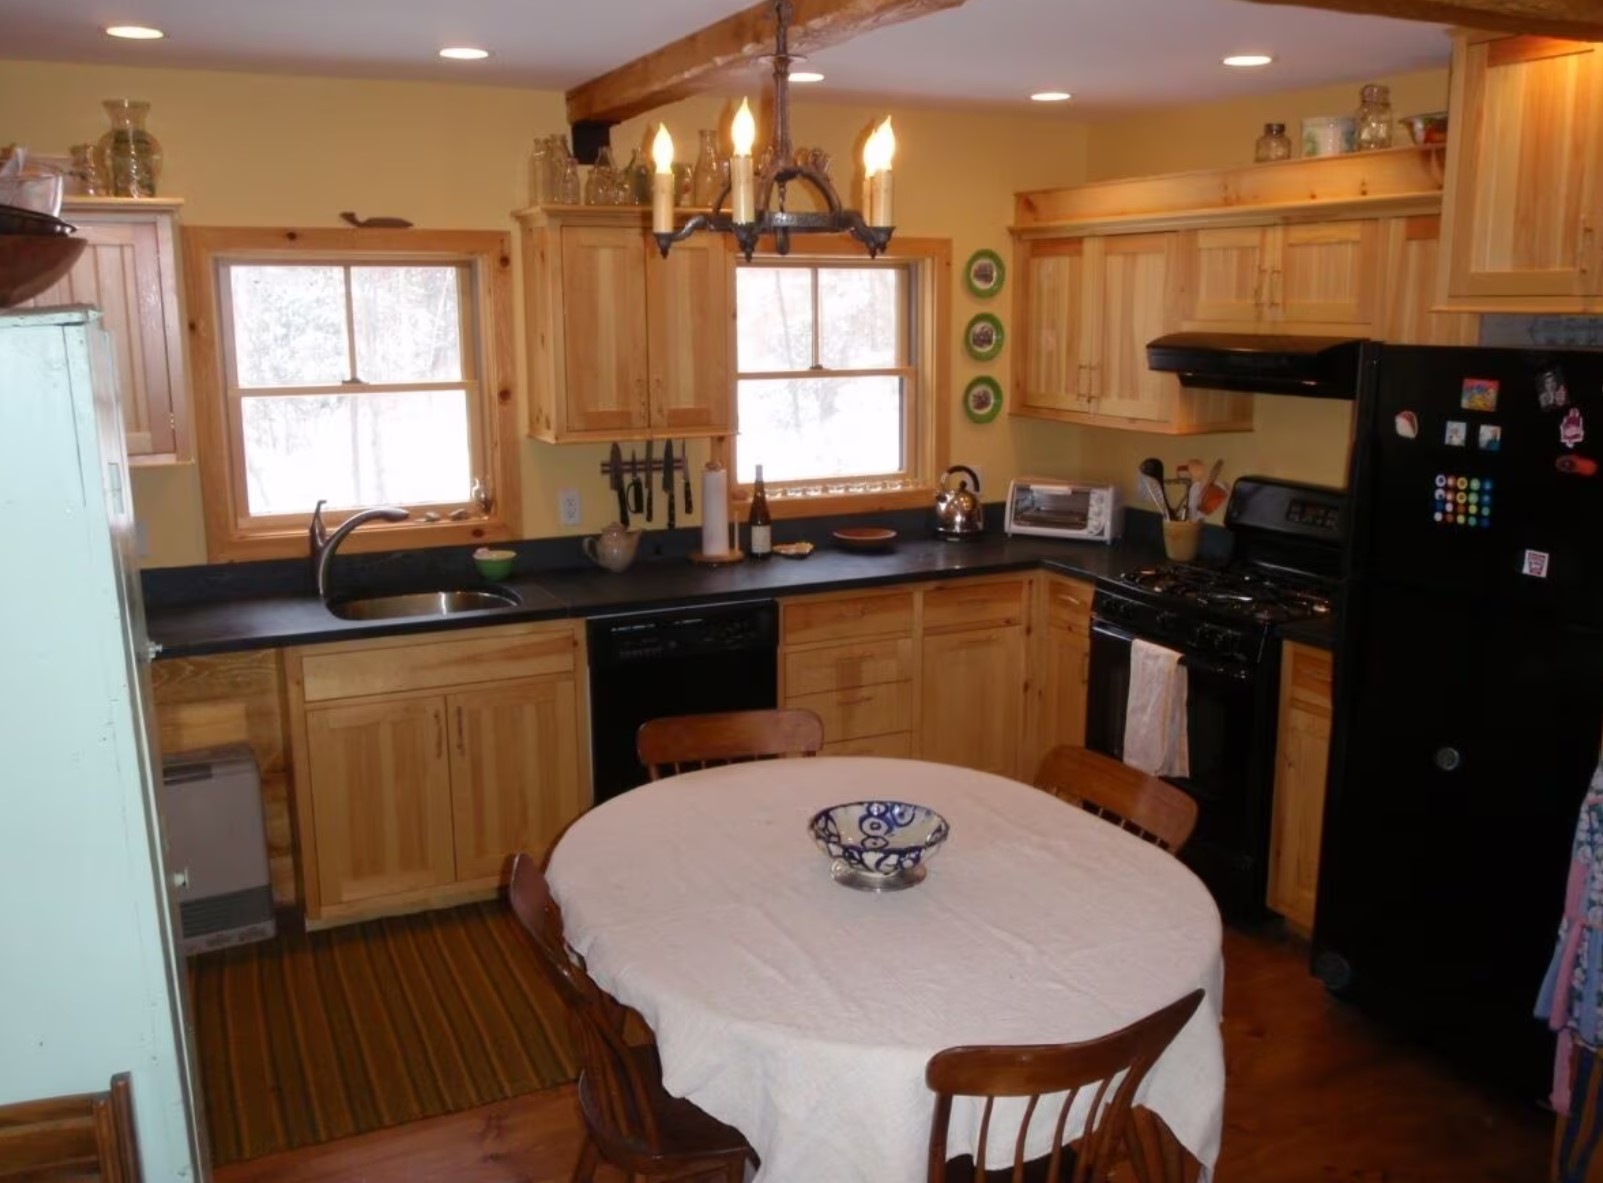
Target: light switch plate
(568, 507)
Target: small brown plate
(864, 538)
(793, 550)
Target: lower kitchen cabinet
(974, 687)
(1063, 663)
(422, 764)
(849, 658)
(1302, 756)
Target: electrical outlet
(568, 507)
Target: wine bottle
(760, 524)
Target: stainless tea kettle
(958, 512)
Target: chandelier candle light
(754, 211)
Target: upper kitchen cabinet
(130, 272)
(1522, 201)
(1297, 277)
(622, 342)
(1088, 307)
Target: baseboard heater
(217, 848)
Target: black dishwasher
(683, 661)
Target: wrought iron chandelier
(757, 198)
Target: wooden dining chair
(681, 743)
(83, 1137)
(1111, 1067)
(629, 1118)
(1148, 807)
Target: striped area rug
(318, 1036)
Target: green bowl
(495, 564)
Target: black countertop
(1318, 631)
(187, 629)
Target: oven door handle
(1236, 671)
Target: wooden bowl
(864, 538)
(30, 263)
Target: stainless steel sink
(442, 603)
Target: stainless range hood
(1261, 363)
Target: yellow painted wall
(245, 149)
(1298, 438)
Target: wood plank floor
(1316, 1094)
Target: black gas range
(1222, 618)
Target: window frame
(926, 328)
(486, 312)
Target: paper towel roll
(714, 510)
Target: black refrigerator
(1469, 694)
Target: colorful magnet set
(1462, 500)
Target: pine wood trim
(698, 60)
(488, 253)
(1577, 19)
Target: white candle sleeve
(714, 512)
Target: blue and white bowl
(879, 845)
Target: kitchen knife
(651, 485)
(637, 495)
(615, 479)
(684, 450)
(668, 490)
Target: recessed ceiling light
(806, 76)
(464, 53)
(1051, 96)
(1246, 61)
(135, 32)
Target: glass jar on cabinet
(1274, 144)
(1374, 118)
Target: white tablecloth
(803, 1012)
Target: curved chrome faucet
(324, 543)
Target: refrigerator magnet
(1535, 564)
(1479, 394)
(1573, 428)
(1407, 424)
(1489, 437)
(1574, 464)
(1551, 393)
(1457, 433)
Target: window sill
(290, 544)
(786, 508)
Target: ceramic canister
(1328, 135)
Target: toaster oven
(1057, 508)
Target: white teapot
(613, 548)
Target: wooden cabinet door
(972, 699)
(1065, 678)
(1302, 756)
(1323, 273)
(381, 798)
(128, 271)
(1408, 288)
(1055, 321)
(515, 779)
(1137, 299)
(690, 326)
(1226, 270)
(1522, 186)
(605, 351)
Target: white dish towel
(1155, 738)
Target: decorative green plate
(984, 274)
(983, 337)
(982, 401)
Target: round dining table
(802, 1011)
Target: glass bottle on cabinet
(707, 180)
(1374, 118)
(1274, 144)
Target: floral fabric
(1571, 998)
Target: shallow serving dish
(864, 538)
(878, 845)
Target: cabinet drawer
(855, 616)
(967, 604)
(841, 667)
(868, 710)
(478, 657)
(1068, 604)
(896, 747)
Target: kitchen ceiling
(1114, 55)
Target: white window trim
(231, 533)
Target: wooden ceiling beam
(698, 61)
(1576, 20)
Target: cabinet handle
(1085, 668)
(461, 735)
(1068, 599)
(1583, 249)
(1258, 289)
(858, 701)
(439, 736)
(1079, 384)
